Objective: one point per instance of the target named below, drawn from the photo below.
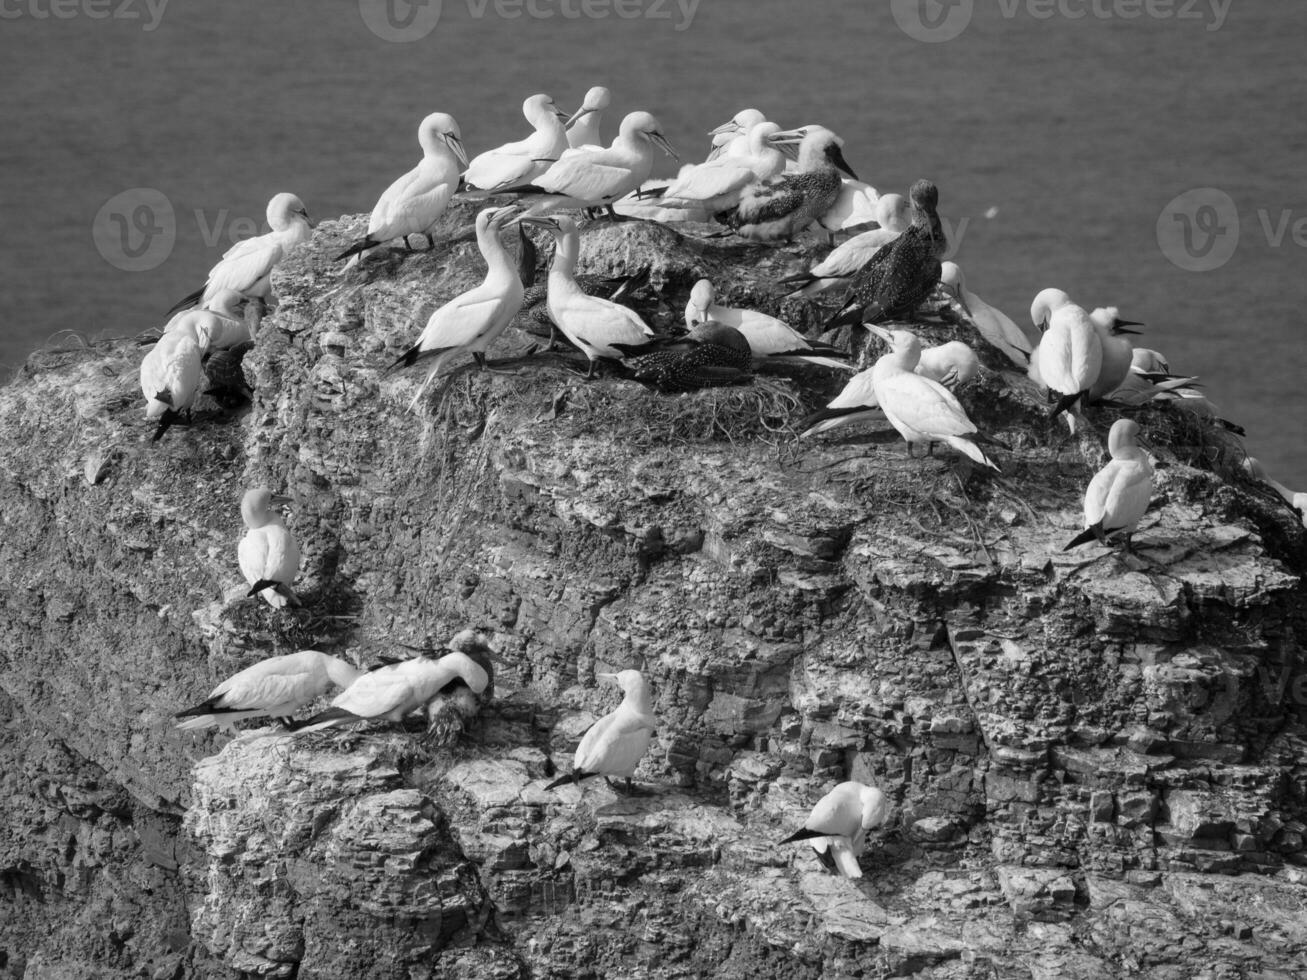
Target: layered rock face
(1096, 763)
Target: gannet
(717, 185)
(273, 688)
(615, 744)
(216, 324)
(395, 690)
(1118, 352)
(1188, 398)
(899, 277)
(770, 339)
(1147, 361)
(780, 207)
(170, 378)
(992, 324)
(712, 355)
(733, 136)
(950, 364)
(841, 265)
(414, 203)
(246, 266)
(1298, 501)
(837, 827)
(856, 403)
(597, 178)
(1118, 494)
(1069, 356)
(591, 323)
(854, 205)
(268, 555)
(615, 289)
(471, 322)
(923, 411)
(519, 163)
(583, 127)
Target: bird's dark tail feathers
(572, 777)
(1085, 536)
(362, 245)
(189, 301)
(281, 588)
(1065, 403)
(331, 714)
(804, 834)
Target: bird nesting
(712, 355)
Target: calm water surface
(1079, 132)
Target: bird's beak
(879, 331)
(280, 500)
(1119, 330)
(578, 114)
(1122, 324)
(305, 213)
(661, 141)
(837, 158)
(606, 677)
(956, 293)
(726, 127)
(500, 213)
(456, 145)
(562, 113)
(788, 137)
(535, 219)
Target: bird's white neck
(492, 250)
(341, 673)
(585, 131)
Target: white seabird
(717, 185)
(1298, 501)
(216, 325)
(615, 744)
(519, 163)
(268, 554)
(732, 137)
(782, 206)
(247, 265)
(950, 364)
(583, 127)
(1118, 351)
(597, 178)
(1118, 495)
(992, 324)
(1069, 356)
(854, 205)
(893, 213)
(170, 376)
(591, 323)
(837, 827)
(396, 690)
(771, 340)
(414, 202)
(856, 403)
(923, 411)
(471, 322)
(273, 688)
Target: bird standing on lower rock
(920, 409)
(1118, 495)
(615, 744)
(273, 688)
(837, 827)
(898, 278)
(268, 553)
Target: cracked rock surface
(1098, 764)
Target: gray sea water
(1079, 125)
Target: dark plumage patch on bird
(903, 274)
(782, 206)
(225, 371)
(712, 356)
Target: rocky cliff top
(1096, 763)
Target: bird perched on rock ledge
(615, 744)
(1118, 495)
(837, 827)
